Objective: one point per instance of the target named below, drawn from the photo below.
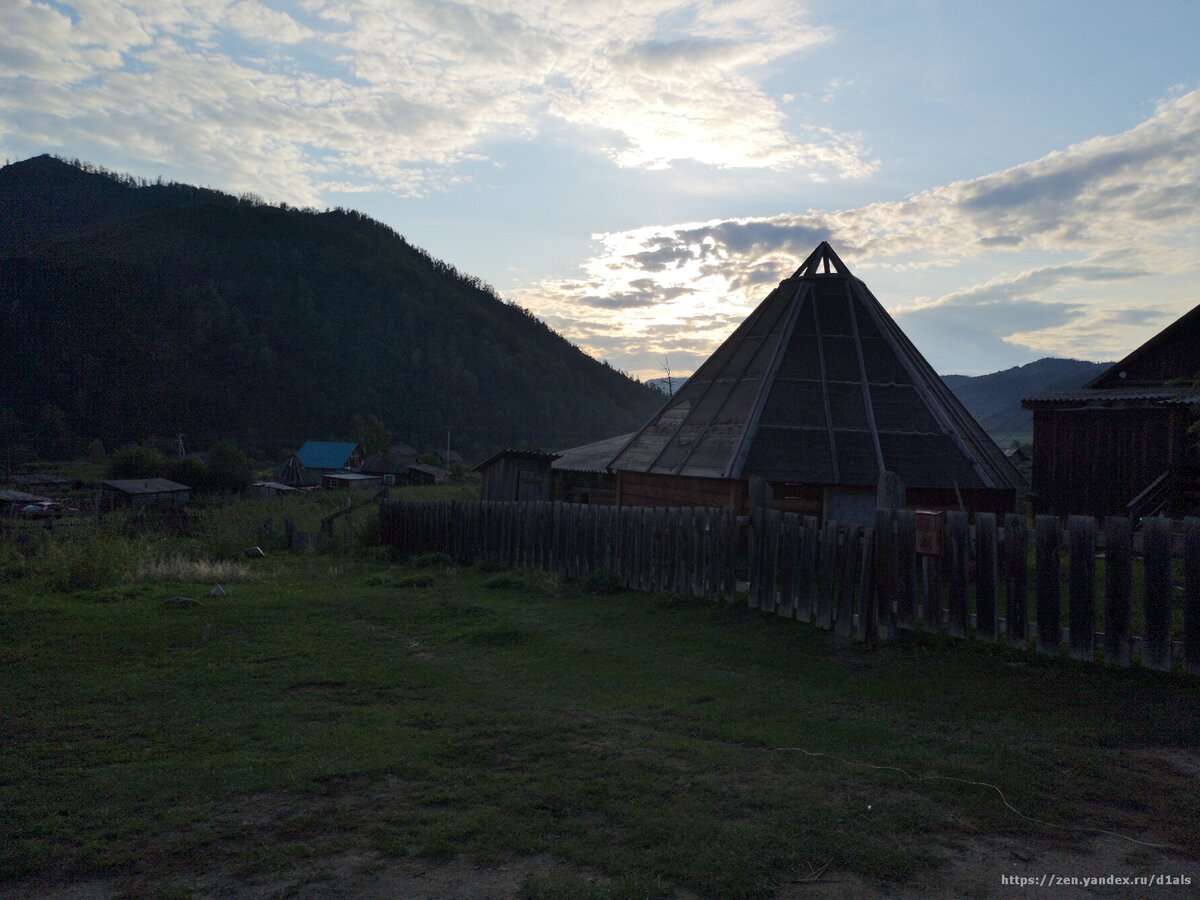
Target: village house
(1119, 446)
(322, 457)
(391, 466)
(818, 392)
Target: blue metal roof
(326, 454)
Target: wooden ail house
(1119, 446)
(817, 392)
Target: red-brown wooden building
(1119, 446)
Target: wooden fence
(994, 581)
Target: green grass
(319, 709)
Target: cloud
(1081, 227)
(400, 94)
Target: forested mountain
(130, 310)
(995, 399)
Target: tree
(133, 461)
(228, 469)
(188, 471)
(371, 432)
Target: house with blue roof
(322, 457)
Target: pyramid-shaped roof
(293, 474)
(819, 386)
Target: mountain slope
(995, 399)
(133, 310)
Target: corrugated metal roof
(819, 386)
(593, 457)
(515, 454)
(1108, 396)
(146, 486)
(430, 470)
(326, 454)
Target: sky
(1012, 180)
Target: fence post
(906, 568)
(829, 539)
(1081, 596)
(1191, 596)
(1118, 589)
(1049, 594)
(844, 625)
(1156, 592)
(879, 620)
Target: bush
(187, 471)
(426, 560)
(602, 583)
(228, 469)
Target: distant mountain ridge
(995, 399)
(130, 310)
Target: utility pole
(447, 459)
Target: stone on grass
(255, 552)
(180, 602)
(217, 591)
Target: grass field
(340, 716)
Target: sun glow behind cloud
(335, 95)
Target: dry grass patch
(200, 571)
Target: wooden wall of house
(594, 488)
(643, 489)
(516, 478)
(1092, 462)
(636, 489)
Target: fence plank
(767, 596)
(1081, 594)
(1118, 589)
(844, 624)
(985, 575)
(789, 548)
(866, 586)
(1156, 590)
(828, 575)
(808, 569)
(1047, 539)
(1191, 596)
(957, 536)
(729, 530)
(1016, 577)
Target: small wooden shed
(140, 493)
(516, 475)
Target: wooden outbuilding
(582, 474)
(516, 475)
(391, 466)
(293, 474)
(419, 473)
(818, 392)
(351, 481)
(1119, 446)
(140, 493)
